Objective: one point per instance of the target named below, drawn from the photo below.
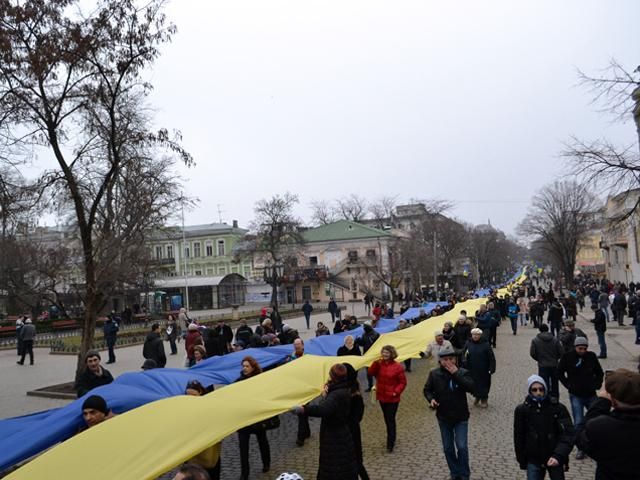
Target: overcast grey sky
(465, 100)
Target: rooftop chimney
(235, 224)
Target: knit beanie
(96, 402)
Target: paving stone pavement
(418, 453)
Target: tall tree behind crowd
(72, 84)
(559, 218)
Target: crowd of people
(604, 406)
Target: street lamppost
(272, 275)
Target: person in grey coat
(547, 351)
(27, 335)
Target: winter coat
(153, 349)
(542, 430)
(610, 437)
(485, 322)
(332, 307)
(227, 335)
(367, 339)
(356, 413)
(110, 331)
(390, 380)
(88, 380)
(343, 350)
(556, 313)
(449, 336)
(214, 344)
(513, 310)
(546, 350)
(322, 331)
(450, 391)
(307, 308)
(581, 375)
(619, 303)
(27, 332)
(192, 339)
(243, 334)
(337, 454)
(463, 333)
(600, 321)
(479, 359)
(603, 300)
(568, 337)
(172, 330)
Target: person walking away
(153, 347)
(547, 351)
(368, 338)
(619, 306)
(600, 326)
(251, 368)
(183, 318)
(613, 426)
(173, 332)
(479, 359)
(307, 308)
(446, 391)
(27, 335)
(513, 312)
(332, 307)
(337, 455)
(390, 383)
(555, 316)
(356, 413)
(542, 433)
(497, 319)
(580, 372)
(569, 334)
(110, 332)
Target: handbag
(271, 423)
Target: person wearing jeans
(446, 391)
(541, 417)
(600, 326)
(390, 383)
(580, 372)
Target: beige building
(621, 238)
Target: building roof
(190, 231)
(342, 230)
(197, 281)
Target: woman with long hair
(390, 383)
(251, 368)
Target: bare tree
(352, 208)
(74, 84)
(560, 217)
(322, 212)
(277, 233)
(382, 209)
(599, 163)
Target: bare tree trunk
(635, 95)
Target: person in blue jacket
(512, 313)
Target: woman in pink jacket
(390, 383)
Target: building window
(234, 269)
(221, 248)
(158, 252)
(169, 251)
(186, 252)
(198, 272)
(353, 256)
(371, 253)
(209, 249)
(196, 249)
(209, 271)
(306, 293)
(222, 270)
(247, 272)
(313, 260)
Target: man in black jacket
(619, 306)
(569, 334)
(556, 316)
(600, 326)
(446, 391)
(610, 437)
(153, 347)
(94, 375)
(542, 433)
(580, 372)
